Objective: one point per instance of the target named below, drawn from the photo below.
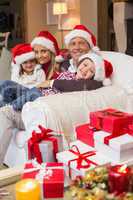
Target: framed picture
(51, 18)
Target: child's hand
(44, 84)
(86, 69)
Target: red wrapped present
(50, 177)
(130, 129)
(85, 133)
(111, 120)
(44, 145)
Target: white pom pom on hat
(63, 55)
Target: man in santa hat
(81, 42)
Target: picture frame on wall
(51, 18)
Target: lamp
(60, 8)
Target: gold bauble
(99, 193)
(90, 197)
(81, 193)
(90, 176)
(74, 191)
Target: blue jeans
(16, 95)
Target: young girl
(26, 74)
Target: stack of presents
(106, 139)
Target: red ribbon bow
(107, 113)
(81, 157)
(112, 113)
(38, 137)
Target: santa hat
(83, 32)
(22, 53)
(64, 54)
(47, 40)
(103, 68)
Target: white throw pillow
(122, 69)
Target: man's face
(77, 47)
(42, 54)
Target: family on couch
(86, 70)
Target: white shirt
(72, 68)
(30, 80)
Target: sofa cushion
(122, 69)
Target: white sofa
(62, 112)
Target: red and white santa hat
(103, 68)
(47, 40)
(83, 32)
(22, 53)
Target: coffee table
(8, 178)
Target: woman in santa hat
(45, 49)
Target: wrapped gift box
(50, 177)
(111, 120)
(85, 133)
(128, 162)
(130, 129)
(44, 146)
(118, 149)
(79, 159)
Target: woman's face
(43, 55)
(28, 66)
(78, 46)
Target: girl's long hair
(51, 68)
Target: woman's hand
(44, 84)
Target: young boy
(98, 75)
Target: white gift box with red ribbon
(44, 145)
(79, 159)
(117, 148)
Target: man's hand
(44, 84)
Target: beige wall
(88, 14)
(36, 17)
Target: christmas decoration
(95, 186)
